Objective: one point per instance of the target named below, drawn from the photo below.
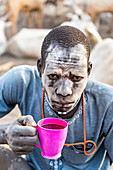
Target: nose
(64, 88)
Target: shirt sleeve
(108, 131)
(8, 91)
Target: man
(63, 72)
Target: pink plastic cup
(52, 135)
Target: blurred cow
(95, 7)
(15, 6)
(102, 60)
(3, 37)
(27, 43)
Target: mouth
(61, 106)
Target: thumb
(27, 121)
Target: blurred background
(24, 24)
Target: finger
(25, 140)
(25, 148)
(27, 120)
(24, 131)
(21, 153)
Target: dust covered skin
(21, 135)
(65, 76)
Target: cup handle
(37, 144)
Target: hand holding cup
(21, 135)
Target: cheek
(44, 81)
(48, 86)
(51, 84)
(79, 87)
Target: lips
(62, 104)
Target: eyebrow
(65, 59)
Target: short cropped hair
(66, 37)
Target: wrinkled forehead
(73, 55)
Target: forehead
(73, 55)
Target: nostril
(64, 91)
(64, 87)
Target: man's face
(65, 76)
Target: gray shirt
(22, 85)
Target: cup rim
(65, 126)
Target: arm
(108, 131)
(20, 135)
(6, 99)
(15, 88)
(8, 92)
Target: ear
(89, 67)
(39, 66)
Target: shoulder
(26, 69)
(99, 89)
(23, 71)
(21, 74)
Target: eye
(76, 78)
(53, 76)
